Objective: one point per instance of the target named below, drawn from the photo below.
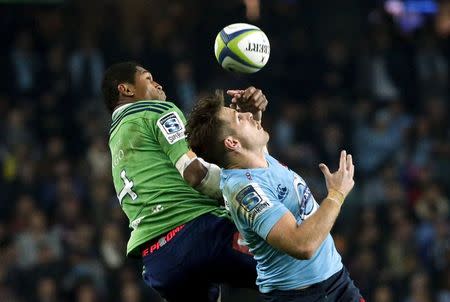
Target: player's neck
(248, 160)
(124, 102)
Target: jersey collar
(120, 109)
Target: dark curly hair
(123, 72)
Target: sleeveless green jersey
(146, 140)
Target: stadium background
(342, 74)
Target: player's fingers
(342, 161)
(325, 170)
(235, 98)
(248, 92)
(256, 97)
(349, 162)
(263, 106)
(262, 103)
(232, 92)
(351, 170)
(233, 106)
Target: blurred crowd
(356, 82)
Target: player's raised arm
(303, 240)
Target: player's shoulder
(153, 107)
(246, 189)
(238, 179)
(148, 109)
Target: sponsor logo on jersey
(226, 203)
(157, 208)
(135, 223)
(253, 201)
(259, 209)
(248, 198)
(172, 127)
(307, 205)
(282, 192)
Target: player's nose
(157, 85)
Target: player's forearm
(314, 230)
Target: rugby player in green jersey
(186, 239)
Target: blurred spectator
(47, 290)
(112, 246)
(131, 293)
(383, 188)
(24, 209)
(25, 64)
(364, 269)
(332, 141)
(185, 86)
(99, 158)
(339, 70)
(443, 294)
(35, 236)
(400, 253)
(375, 143)
(432, 67)
(55, 77)
(382, 294)
(440, 248)
(376, 70)
(86, 69)
(432, 205)
(420, 289)
(86, 292)
(18, 133)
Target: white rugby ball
(242, 48)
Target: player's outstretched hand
(340, 181)
(249, 100)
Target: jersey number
(127, 189)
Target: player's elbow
(191, 179)
(194, 173)
(304, 252)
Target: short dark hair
(204, 129)
(123, 72)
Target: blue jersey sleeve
(253, 204)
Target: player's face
(145, 87)
(248, 131)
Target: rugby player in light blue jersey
(272, 206)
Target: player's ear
(231, 143)
(125, 89)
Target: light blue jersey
(257, 199)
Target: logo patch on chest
(282, 192)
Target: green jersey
(146, 140)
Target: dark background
(342, 74)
